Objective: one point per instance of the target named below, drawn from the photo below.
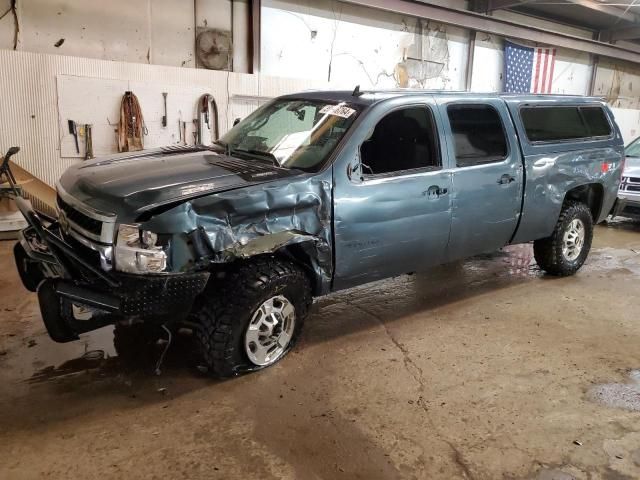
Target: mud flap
(618, 207)
(51, 309)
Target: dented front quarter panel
(255, 220)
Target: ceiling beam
(631, 46)
(624, 33)
(503, 28)
(488, 6)
(620, 13)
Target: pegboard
(96, 101)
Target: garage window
(478, 135)
(554, 124)
(403, 140)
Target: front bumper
(69, 281)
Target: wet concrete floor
(483, 369)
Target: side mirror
(236, 121)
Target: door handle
(506, 179)
(435, 191)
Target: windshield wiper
(226, 146)
(260, 154)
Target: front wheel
(252, 317)
(565, 251)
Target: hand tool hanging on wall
(164, 117)
(88, 139)
(73, 130)
(207, 108)
(131, 128)
(183, 132)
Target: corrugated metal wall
(28, 103)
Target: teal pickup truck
(313, 193)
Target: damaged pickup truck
(310, 194)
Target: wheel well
(300, 254)
(591, 195)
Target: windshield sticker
(338, 111)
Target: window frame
(502, 126)
(579, 106)
(409, 171)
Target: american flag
(528, 69)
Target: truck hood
(131, 184)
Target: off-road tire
(226, 307)
(548, 251)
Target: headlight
(137, 251)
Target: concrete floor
(485, 369)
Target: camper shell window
(563, 123)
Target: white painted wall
(619, 83)
(159, 32)
(29, 93)
(351, 45)
(628, 119)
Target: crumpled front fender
(257, 220)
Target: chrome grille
(81, 220)
(630, 185)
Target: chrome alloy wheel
(270, 331)
(573, 240)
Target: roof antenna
(357, 92)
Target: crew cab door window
(403, 140)
(478, 135)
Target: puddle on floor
(614, 260)
(26, 358)
(39, 360)
(623, 223)
(625, 396)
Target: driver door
(392, 215)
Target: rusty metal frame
(501, 27)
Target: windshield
(633, 149)
(294, 133)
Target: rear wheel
(250, 319)
(565, 251)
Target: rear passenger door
(487, 174)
